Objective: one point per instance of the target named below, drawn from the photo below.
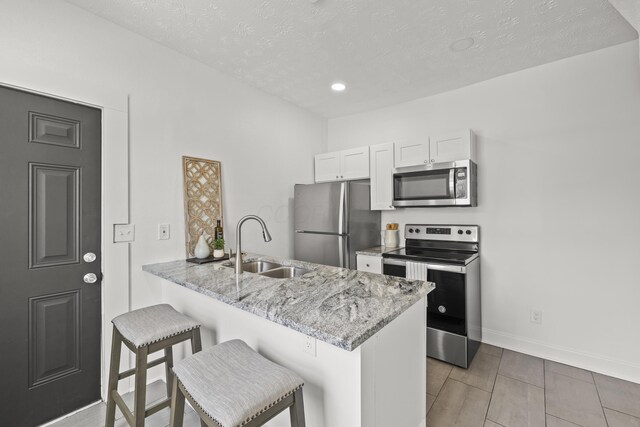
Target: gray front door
(49, 222)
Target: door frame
(114, 104)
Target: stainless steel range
(447, 255)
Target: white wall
(559, 201)
(177, 106)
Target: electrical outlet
(164, 232)
(124, 233)
(310, 345)
(536, 316)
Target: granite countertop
(376, 250)
(339, 306)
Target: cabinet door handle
(337, 176)
(368, 265)
(433, 160)
(426, 161)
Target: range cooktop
(447, 244)
(432, 255)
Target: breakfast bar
(356, 338)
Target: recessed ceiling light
(338, 87)
(462, 44)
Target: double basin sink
(272, 269)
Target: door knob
(442, 309)
(89, 257)
(90, 278)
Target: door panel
(54, 332)
(54, 130)
(327, 167)
(324, 249)
(317, 207)
(54, 216)
(411, 153)
(355, 163)
(51, 200)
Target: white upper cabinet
(411, 153)
(381, 170)
(327, 167)
(436, 149)
(342, 165)
(355, 163)
(454, 146)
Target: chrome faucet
(265, 234)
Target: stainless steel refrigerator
(332, 221)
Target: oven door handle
(449, 268)
(430, 266)
(394, 262)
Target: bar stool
(146, 331)
(230, 385)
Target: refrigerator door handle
(341, 251)
(341, 210)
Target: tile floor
(94, 415)
(500, 388)
(509, 389)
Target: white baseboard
(569, 356)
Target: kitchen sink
(270, 269)
(285, 272)
(259, 266)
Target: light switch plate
(124, 233)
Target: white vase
(202, 249)
(391, 238)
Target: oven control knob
(411, 230)
(417, 230)
(442, 309)
(468, 231)
(459, 231)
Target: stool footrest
(157, 407)
(130, 416)
(132, 371)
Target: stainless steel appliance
(439, 184)
(332, 221)
(449, 256)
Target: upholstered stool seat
(145, 331)
(230, 385)
(152, 324)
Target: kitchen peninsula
(357, 338)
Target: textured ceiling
(386, 51)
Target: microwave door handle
(452, 183)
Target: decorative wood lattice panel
(202, 199)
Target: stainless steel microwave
(439, 184)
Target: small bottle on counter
(218, 231)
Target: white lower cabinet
(369, 263)
(381, 170)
